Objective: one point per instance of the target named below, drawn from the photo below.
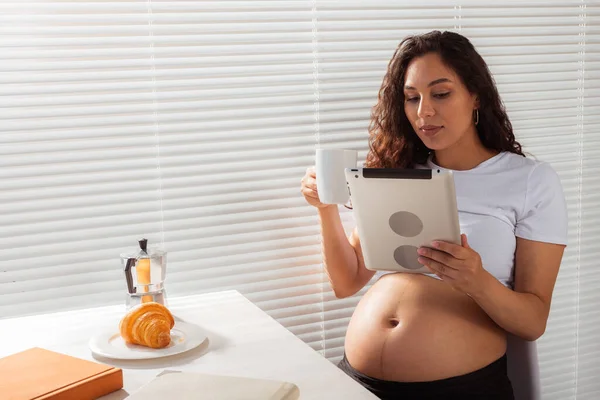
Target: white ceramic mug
(331, 180)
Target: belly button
(394, 322)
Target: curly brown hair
(393, 142)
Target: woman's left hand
(459, 265)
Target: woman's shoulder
(528, 167)
(534, 170)
(513, 160)
(544, 215)
(535, 179)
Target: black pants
(489, 383)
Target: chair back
(523, 368)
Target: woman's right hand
(309, 189)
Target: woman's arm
(524, 311)
(344, 262)
(343, 258)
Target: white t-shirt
(505, 197)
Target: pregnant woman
(443, 335)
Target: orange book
(37, 374)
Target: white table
(242, 341)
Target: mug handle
(348, 205)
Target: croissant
(147, 324)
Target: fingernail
(421, 251)
(421, 260)
(435, 244)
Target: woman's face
(437, 103)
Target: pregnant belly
(411, 328)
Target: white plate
(110, 344)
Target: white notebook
(200, 386)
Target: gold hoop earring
(476, 116)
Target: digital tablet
(399, 210)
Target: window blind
(79, 173)
(188, 122)
(588, 355)
(236, 106)
(192, 122)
